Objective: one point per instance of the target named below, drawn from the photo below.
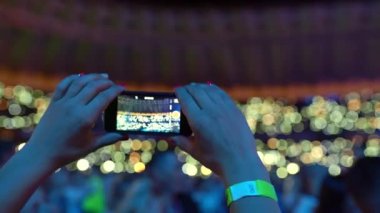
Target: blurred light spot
(14, 109)
(268, 119)
(270, 158)
(205, 171)
(119, 167)
(139, 167)
(317, 152)
(8, 92)
(25, 97)
(272, 143)
(83, 165)
(134, 157)
(107, 167)
(282, 172)
(136, 145)
(118, 156)
(162, 145)
(292, 168)
(189, 169)
(347, 161)
(146, 157)
(334, 170)
(146, 145)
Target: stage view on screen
(148, 114)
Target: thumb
(107, 139)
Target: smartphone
(142, 113)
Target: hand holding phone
(143, 113)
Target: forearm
(21, 176)
(248, 169)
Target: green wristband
(250, 188)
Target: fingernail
(105, 75)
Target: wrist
(40, 157)
(244, 168)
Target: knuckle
(80, 82)
(91, 86)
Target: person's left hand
(65, 132)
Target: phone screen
(144, 113)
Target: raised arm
(223, 142)
(63, 135)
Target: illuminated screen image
(148, 114)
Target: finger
(103, 99)
(200, 96)
(220, 96)
(92, 89)
(63, 86)
(188, 104)
(107, 139)
(80, 83)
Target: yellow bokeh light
(23, 107)
(268, 119)
(107, 167)
(372, 151)
(205, 171)
(292, 168)
(83, 164)
(136, 145)
(125, 146)
(146, 145)
(118, 156)
(162, 145)
(282, 172)
(25, 97)
(146, 157)
(139, 167)
(119, 167)
(270, 158)
(319, 123)
(336, 116)
(354, 105)
(306, 158)
(272, 143)
(317, 152)
(347, 160)
(281, 161)
(189, 169)
(306, 145)
(334, 170)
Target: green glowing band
(250, 188)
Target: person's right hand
(222, 138)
